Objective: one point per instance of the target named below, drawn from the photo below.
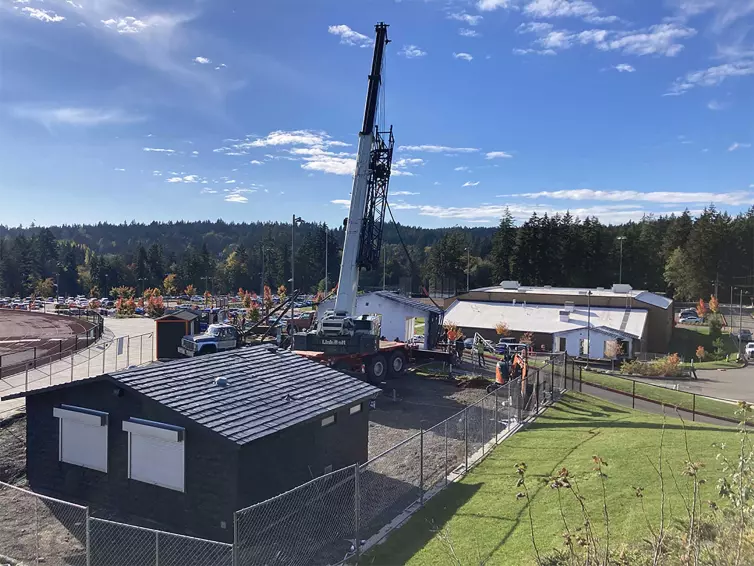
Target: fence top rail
(45, 497)
(158, 531)
(298, 487)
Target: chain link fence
(35, 529)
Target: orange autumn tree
(714, 305)
(267, 299)
(502, 329)
(701, 309)
(700, 353)
(190, 290)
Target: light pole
(293, 255)
(588, 325)
(620, 269)
(468, 267)
(139, 284)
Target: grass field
(685, 340)
(486, 523)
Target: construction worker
(480, 353)
(502, 372)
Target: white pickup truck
(749, 351)
(217, 338)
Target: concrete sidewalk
(125, 342)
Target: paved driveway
(733, 384)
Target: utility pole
(740, 318)
(588, 325)
(293, 255)
(620, 269)
(468, 267)
(717, 284)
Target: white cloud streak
(624, 68)
(736, 146)
(127, 25)
(438, 149)
(47, 16)
(74, 116)
(403, 193)
(465, 18)
(466, 32)
(463, 56)
(411, 52)
(470, 184)
(498, 155)
(660, 197)
(349, 36)
(201, 60)
(712, 76)
(158, 150)
(490, 5)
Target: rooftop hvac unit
(510, 285)
(564, 315)
(600, 288)
(548, 286)
(622, 288)
(568, 306)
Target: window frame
(329, 420)
(355, 409)
(86, 417)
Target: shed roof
(183, 314)
(390, 296)
(267, 391)
(544, 318)
(642, 296)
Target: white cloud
(74, 116)
(725, 12)
(470, 184)
(490, 5)
(46, 16)
(464, 56)
(194, 152)
(712, 76)
(235, 197)
(158, 150)
(466, 32)
(256, 162)
(295, 137)
(715, 105)
(72, 3)
(661, 197)
(119, 169)
(349, 36)
(411, 51)
(556, 40)
(560, 8)
(461, 168)
(129, 24)
(408, 162)
(230, 181)
(735, 145)
(201, 60)
(220, 66)
(157, 173)
(403, 193)
(534, 27)
(438, 149)
(186, 179)
(465, 18)
(207, 191)
(534, 52)
(342, 202)
(624, 68)
(497, 155)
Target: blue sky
(118, 110)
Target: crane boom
(353, 248)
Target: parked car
(749, 351)
(744, 335)
(690, 320)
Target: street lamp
(296, 220)
(620, 269)
(138, 285)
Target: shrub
(700, 353)
(669, 366)
(502, 329)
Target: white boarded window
(82, 437)
(355, 409)
(327, 421)
(156, 453)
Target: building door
(561, 344)
(584, 347)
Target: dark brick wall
(299, 454)
(211, 464)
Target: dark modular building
(170, 330)
(183, 444)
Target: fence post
(581, 370)
(536, 393)
(128, 351)
(88, 540)
(76, 342)
(496, 419)
(50, 362)
(633, 394)
(26, 379)
(235, 538)
(466, 439)
(157, 548)
(693, 406)
(141, 347)
(552, 379)
(88, 362)
(421, 465)
(104, 351)
(481, 408)
(35, 357)
(357, 506)
(446, 452)
(36, 527)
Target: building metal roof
(389, 295)
(267, 391)
(642, 296)
(544, 318)
(183, 314)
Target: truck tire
(376, 368)
(397, 363)
(211, 349)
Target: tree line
(681, 255)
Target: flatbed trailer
(391, 358)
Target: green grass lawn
(660, 394)
(485, 522)
(685, 340)
(720, 364)
(418, 326)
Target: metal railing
(102, 357)
(56, 349)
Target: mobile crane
(340, 338)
